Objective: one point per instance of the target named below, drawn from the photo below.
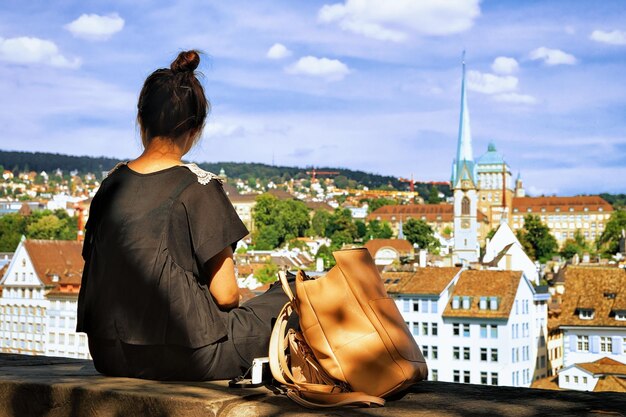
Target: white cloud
(615, 37)
(278, 51)
(552, 56)
(491, 83)
(515, 98)
(28, 50)
(504, 65)
(222, 130)
(392, 20)
(95, 27)
(331, 69)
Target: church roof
(491, 157)
(463, 167)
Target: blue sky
(362, 84)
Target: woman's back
(147, 239)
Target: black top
(147, 239)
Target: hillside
(49, 162)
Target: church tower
(464, 185)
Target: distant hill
(49, 162)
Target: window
(51, 338)
(435, 375)
(466, 330)
(513, 355)
(425, 306)
(425, 351)
(576, 379)
(567, 378)
(483, 354)
(585, 313)
(465, 206)
(606, 344)
(584, 380)
(456, 329)
(416, 329)
(406, 305)
(433, 329)
(433, 306)
(483, 378)
(416, 305)
(494, 378)
(72, 338)
(494, 331)
(483, 331)
(434, 353)
(583, 343)
(466, 377)
(466, 353)
(456, 375)
(456, 352)
(425, 329)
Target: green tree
(569, 249)
(341, 221)
(377, 229)
(267, 273)
(341, 181)
(433, 196)
(536, 239)
(419, 232)
(319, 222)
(12, 228)
(361, 230)
(608, 242)
(325, 252)
(278, 221)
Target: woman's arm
(223, 285)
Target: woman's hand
(223, 284)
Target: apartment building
(474, 326)
(38, 301)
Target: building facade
(474, 326)
(38, 301)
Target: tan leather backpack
(354, 347)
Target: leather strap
(330, 400)
(282, 276)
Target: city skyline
(348, 84)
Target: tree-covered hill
(49, 162)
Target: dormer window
(55, 278)
(455, 302)
(585, 313)
(483, 303)
(466, 303)
(493, 303)
(620, 315)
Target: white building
(504, 251)
(38, 302)
(593, 314)
(474, 326)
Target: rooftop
(602, 290)
(485, 283)
(59, 387)
(430, 212)
(552, 204)
(424, 281)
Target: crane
(411, 182)
(313, 173)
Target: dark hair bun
(186, 61)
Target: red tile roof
(600, 289)
(56, 257)
(485, 283)
(424, 281)
(550, 204)
(430, 212)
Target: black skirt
(248, 332)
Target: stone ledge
(56, 387)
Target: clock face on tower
(465, 184)
(465, 224)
